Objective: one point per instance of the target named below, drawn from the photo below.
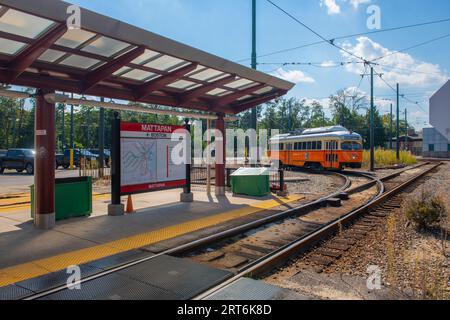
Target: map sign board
(146, 158)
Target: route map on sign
(146, 158)
(139, 161)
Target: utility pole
(63, 127)
(72, 142)
(398, 122)
(390, 130)
(254, 66)
(101, 139)
(290, 118)
(406, 125)
(372, 124)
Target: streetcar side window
(314, 145)
(281, 146)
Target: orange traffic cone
(130, 208)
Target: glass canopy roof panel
(10, 47)
(139, 75)
(207, 75)
(122, 71)
(182, 84)
(23, 24)
(106, 47)
(79, 62)
(51, 55)
(164, 63)
(218, 92)
(199, 68)
(75, 38)
(264, 90)
(148, 55)
(240, 83)
(244, 97)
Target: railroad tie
(233, 261)
(329, 253)
(258, 249)
(338, 247)
(321, 260)
(210, 257)
(334, 202)
(249, 256)
(346, 241)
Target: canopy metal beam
(235, 96)
(158, 84)
(194, 94)
(62, 98)
(26, 58)
(109, 68)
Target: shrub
(427, 212)
(389, 158)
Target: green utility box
(253, 182)
(73, 198)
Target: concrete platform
(27, 253)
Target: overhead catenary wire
(403, 96)
(350, 36)
(412, 47)
(331, 42)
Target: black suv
(19, 160)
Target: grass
(385, 158)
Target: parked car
(3, 153)
(19, 160)
(77, 156)
(106, 155)
(59, 158)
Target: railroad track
(257, 259)
(352, 227)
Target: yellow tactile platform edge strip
(41, 267)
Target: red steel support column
(44, 164)
(220, 155)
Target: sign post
(116, 208)
(187, 195)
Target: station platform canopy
(112, 59)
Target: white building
(436, 140)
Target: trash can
(73, 198)
(253, 182)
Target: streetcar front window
(351, 146)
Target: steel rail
(204, 241)
(231, 232)
(307, 241)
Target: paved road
(13, 182)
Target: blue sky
(223, 27)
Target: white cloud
(328, 63)
(295, 76)
(357, 3)
(331, 5)
(396, 68)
